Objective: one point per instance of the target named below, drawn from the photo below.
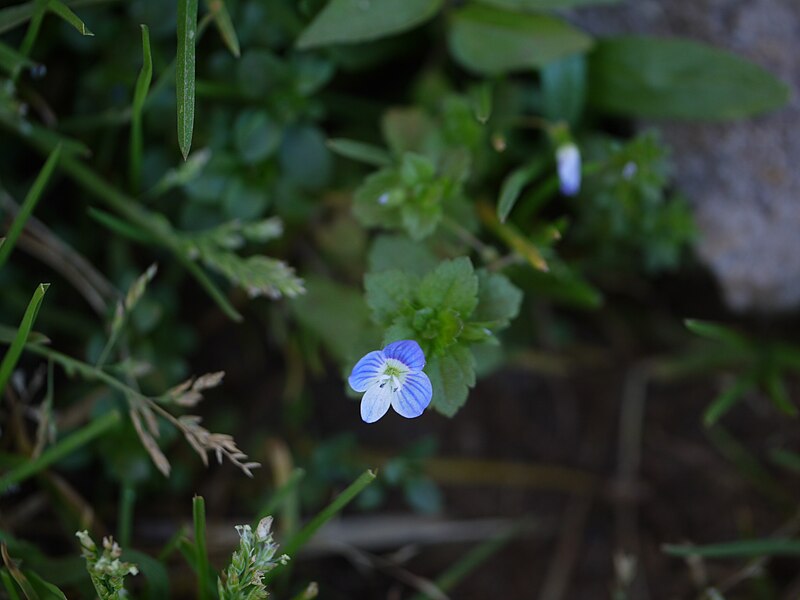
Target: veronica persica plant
(392, 377)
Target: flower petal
(568, 160)
(366, 371)
(407, 352)
(414, 397)
(376, 402)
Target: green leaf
(453, 284)
(337, 314)
(498, 299)
(513, 185)
(776, 390)
(352, 21)
(204, 580)
(406, 129)
(139, 97)
(717, 332)
(787, 459)
(256, 135)
(63, 11)
(564, 89)
(45, 589)
(491, 41)
(12, 61)
(678, 79)
(451, 375)
(481, 100)
(400, 252)
(388, 293)
(12, 355)
(727, 399)
(154, 571)
(185, 71)
(257, 275)
(60, 450)
(28, 205)
(222, 19)
(543, 4)
(738, 549)
(359, 151)
(301, 538)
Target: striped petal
(376, 402)
(367, 370)
(414, 396)
(407, 352)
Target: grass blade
(184, 72)
(14, 352)
(787, 459)
(727, 399)
(513, 186)
(471, 561)
(29, 204)
(297, 541)
(38, 8)
(21, 580)
(201, 553)
(8, 583)
(738, 549)
(279, 496)
(12, 62)
(716, 332)
(222, 19)
(61, 449)
(65, 12)
(139, 97)
(776, 390)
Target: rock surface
(743, 178)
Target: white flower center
(394, 374)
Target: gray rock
(743, 178)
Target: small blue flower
(568, 161)
(392, 377)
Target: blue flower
(568, 161)
(392, 377)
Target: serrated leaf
(498, 299)
(388, 292)
(451, 376)
(678, 79)
(185, 73)
(491, 41)
(353, 21)
(452, 285)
